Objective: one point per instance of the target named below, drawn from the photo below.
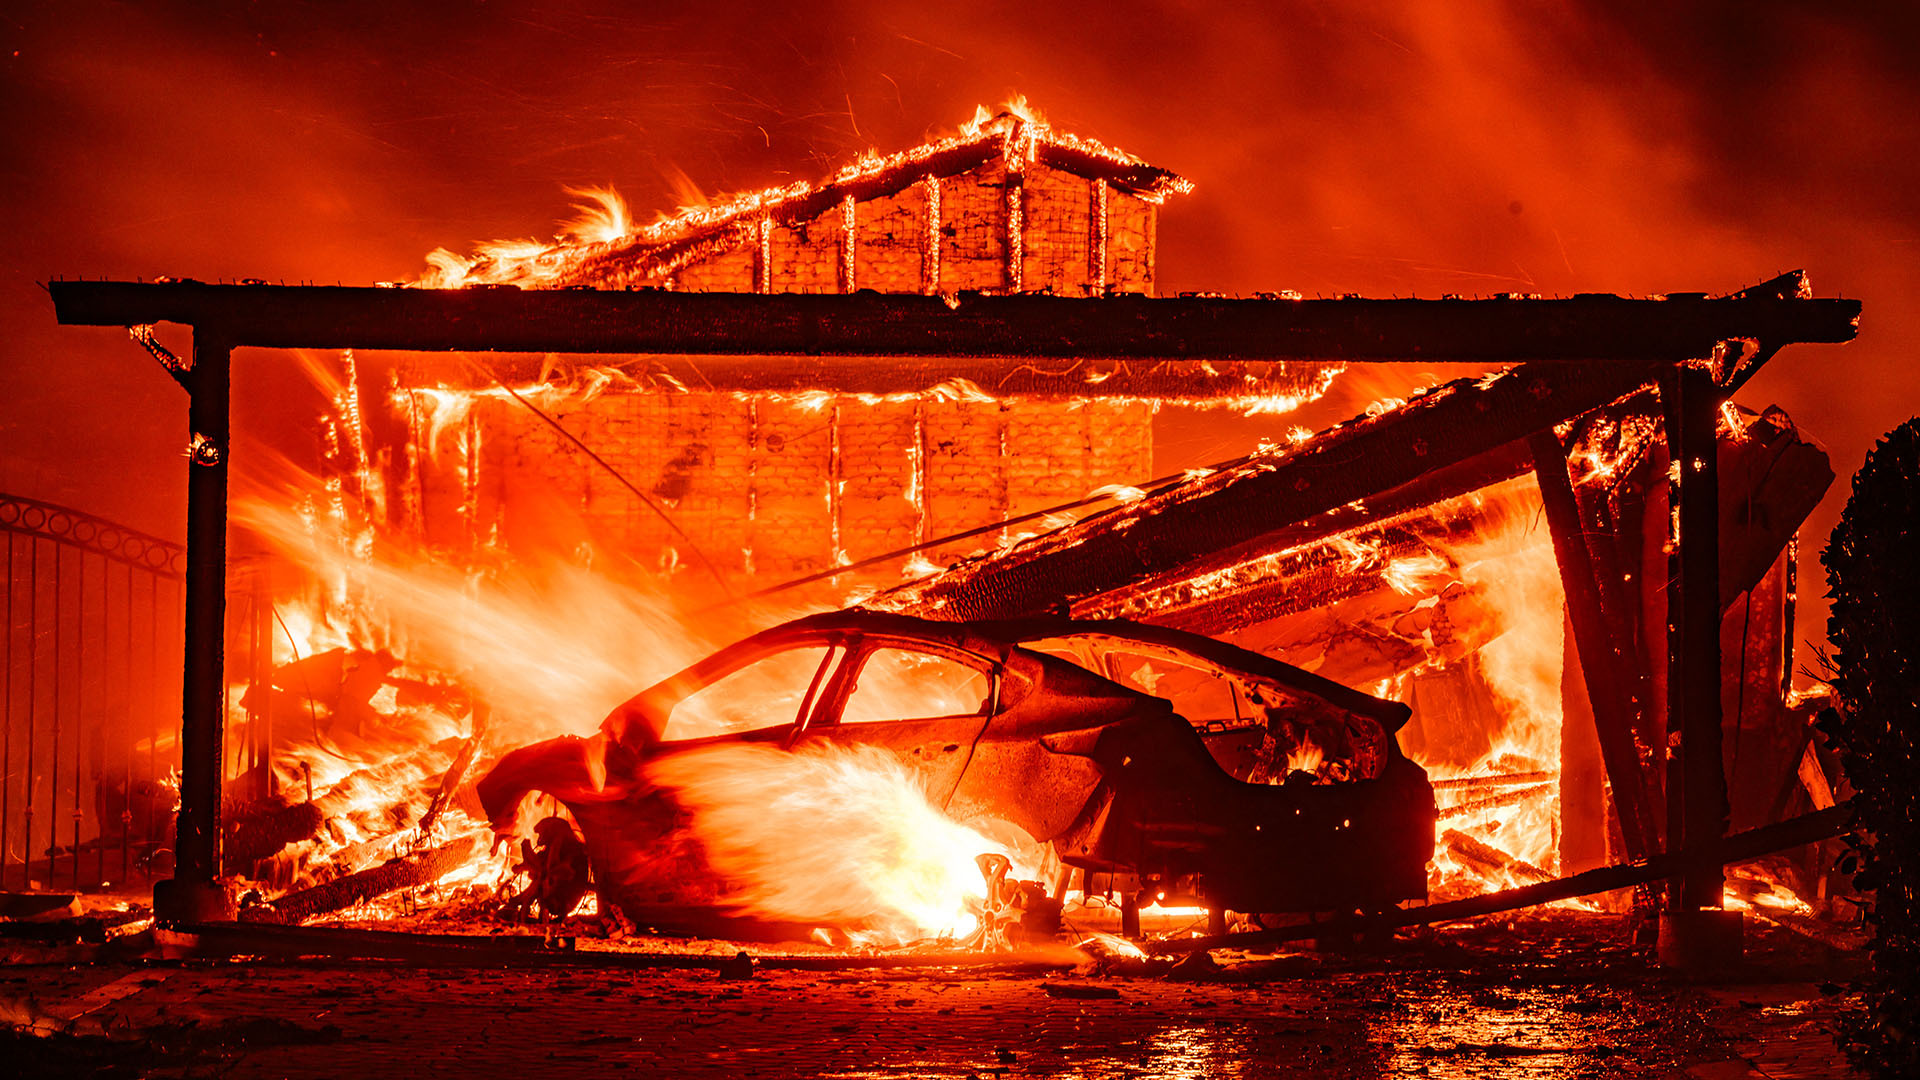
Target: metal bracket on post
(181, 370)
(194, 894)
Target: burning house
(926, 386)
(787, 466)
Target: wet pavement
(1544, 998)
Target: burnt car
(1160, 757)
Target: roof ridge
(1022, 135)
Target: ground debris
(137, 1051)
(1195, 967)
(1079, 991)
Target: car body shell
(1108, 775)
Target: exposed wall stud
(1097, 260)
(930, 254)
(849, 220)
(763, 268)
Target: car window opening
(905, 684)
(769, 692)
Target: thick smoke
(1389, 149)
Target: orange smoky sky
(1390, 148)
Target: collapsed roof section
(1247, 535)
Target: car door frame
(825, 720)
(663, 697)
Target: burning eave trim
(654, 251)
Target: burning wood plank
(404, 873)
(1488, 861)
(1472, 783)
(1491, 802)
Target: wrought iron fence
(90, 744)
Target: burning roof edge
(1018, 136)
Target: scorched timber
(1595, 330)
(1603, 662)
(1165, 532)
(422, 869)
(1172, 600)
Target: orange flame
(1512, 565)
(833, 834)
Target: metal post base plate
(1702, 941)
(178, 903)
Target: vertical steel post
(53, 769)
(1692, 404)
(6, 734)
(193, 894)
(33, 704)
(127, 740)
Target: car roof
(991, 637)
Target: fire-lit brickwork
(773, 486)
(770, 486)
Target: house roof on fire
(609, 247)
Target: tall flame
(1512, 566)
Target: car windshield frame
(663, 697)
(831, 707)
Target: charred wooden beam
(1591, 329)
(1740, 847)
(266, 834)
(1176, 529)
(1171, 600)
(1602, 662)
(404, 873)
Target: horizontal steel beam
(1587, 328)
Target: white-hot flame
(832, 834)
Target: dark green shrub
(1873, 576)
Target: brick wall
(772, 487)
(1078, 237)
